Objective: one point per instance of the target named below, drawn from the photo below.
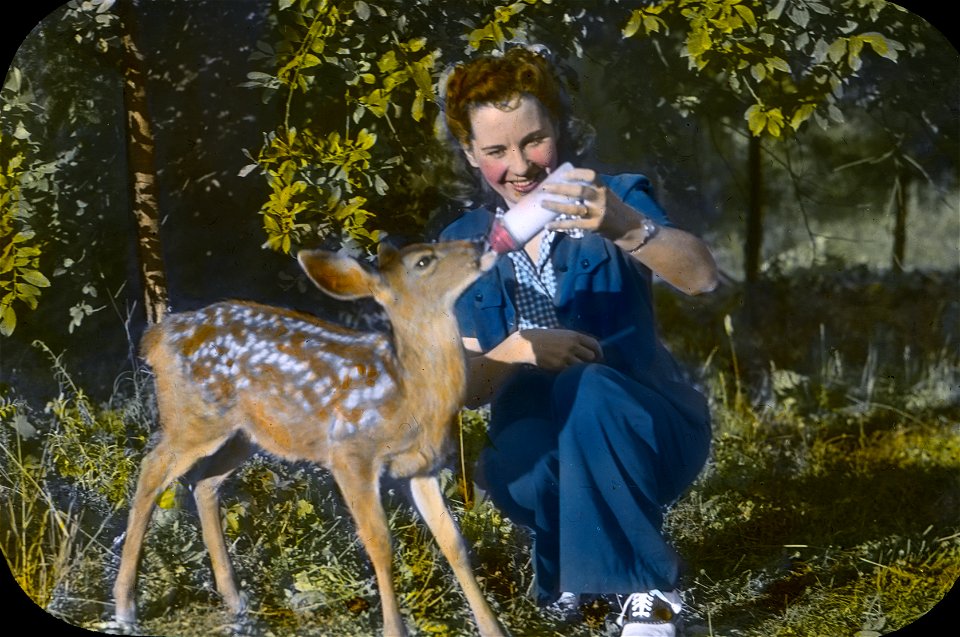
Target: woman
(592, 429)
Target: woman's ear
(468, 153)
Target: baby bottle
(527, 217)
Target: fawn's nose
(487, 257)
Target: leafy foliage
(786, 62)
(347, 75)
(44, 186)
(26, 186)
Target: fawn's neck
(434, 368)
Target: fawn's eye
(424, 261)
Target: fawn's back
(306, 372)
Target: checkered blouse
(537, 282)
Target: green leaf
(270, 225)
(801, 115)
(168, 499)
(800, 16)
(380, 185)
(756, 119)
(362, 9)
(366, 139)
(698, 42)
(304, 508)
(779, 63)
(21, 132)
(8, 321)
(35, 278)
(13, 80)
(774, 121)
(416, 44)
(416, 110)
(747, 14)
(633, 24)
(777, 11)
(879, 44)
(233, 520)
(388, 62)
(837, 49)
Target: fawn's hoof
(117, 627)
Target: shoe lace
(637, 606)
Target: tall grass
(38, 539)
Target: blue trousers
(588, 458)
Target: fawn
(234, 378)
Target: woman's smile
(526, 185)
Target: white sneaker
(651, 614)
(567, 608)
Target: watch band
(650, 230)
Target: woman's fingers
(559, 348)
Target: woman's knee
(587, 384)
(496, 476)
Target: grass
(829, 505)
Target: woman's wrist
(639, 235)
(650, 230)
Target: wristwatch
(650, 230)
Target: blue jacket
(601, 291)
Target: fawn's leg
(160, 467)
(429, 500)
(360, 486)
(206, 494)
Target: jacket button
(585, 263)
(478, 296)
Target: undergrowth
(829, 505)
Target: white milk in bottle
(527, 217)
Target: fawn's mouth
(487, 260)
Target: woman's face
(515, 147)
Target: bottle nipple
(500, 240)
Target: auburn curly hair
(498, 80)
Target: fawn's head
(428, 275)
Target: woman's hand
(594, 207)
(551, 349)
(678, 257)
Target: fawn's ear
(386, 254)
(339, 276)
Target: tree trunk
(142, 167)
(901, 187)
(753, 244)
